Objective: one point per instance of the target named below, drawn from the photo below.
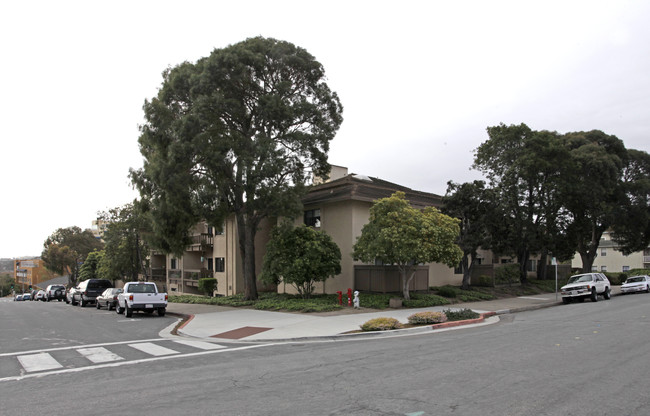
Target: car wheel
(128, 312)
(566, 300)
(109, 305)
(594, 295)
(161, 311)
(608, 294)
(118, 309)
(647, 288)
(97, 305)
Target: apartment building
(611, 259)
(30, 272)
(338, 206)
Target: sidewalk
(239, 324)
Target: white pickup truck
(141, 296)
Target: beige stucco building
(338, 206)
(611, 259)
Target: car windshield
(581, 278)
(634, 279)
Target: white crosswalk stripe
(99, 355)
(42, 361)
(200, 344)
(38, 362)
(152, 349)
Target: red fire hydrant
(349, 297)
(340, 297)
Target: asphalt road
(576, 359)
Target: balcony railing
(201, 241)
(197, 274)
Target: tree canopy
(127, 246)
(404, 236)
(236, 133)
(66, 249)
(300, 256)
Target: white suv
(55, 292)
(587, 285)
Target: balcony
(201, 242)
(192, 276)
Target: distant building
(611, 259)
(30, 272)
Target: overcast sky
(419, 82)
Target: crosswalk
(19, 365)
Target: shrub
(381, 324)
(484, 281)
(447, 291)
(208, 285)
(507, 274)
(427, 318)
(461, 314)
(424, 301)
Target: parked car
(55, 292)
(587, 285)
(18, 298)
(33, 294)
(70, 296)
(141, 296)
(88, 290)
(108, 298)
(27, 296)
(40, 295)
(636, 284)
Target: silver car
(636, 284)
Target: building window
(210, 264)
(603, 252)
(594, 268)
(173, 264)
(219, 264)
(626, 268)
(603, 268)
(531, 266)
(312, 218)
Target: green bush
(208, 285)
(381, 324)
(461, 315)
(484, 281)
(506, 274)
(424, 318)
(447, 291)
(419, 300)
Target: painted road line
(532, 298)
(99, 355)
(153, 349)
(38, 362)
(199, 344)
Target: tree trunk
(541, 266)
(246, 229)
(587, 258)
(406, 282)
(467, 269)
(522, 258)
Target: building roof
(368, 189)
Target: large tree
(66, 249)
(471, 204)
(593, 189)
(632, 226)
(525, 171)
(404, 236)
(236, 133)
(126, 238)
(300, 256)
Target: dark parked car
(108, 298)
(88, 290)
(55, 292)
